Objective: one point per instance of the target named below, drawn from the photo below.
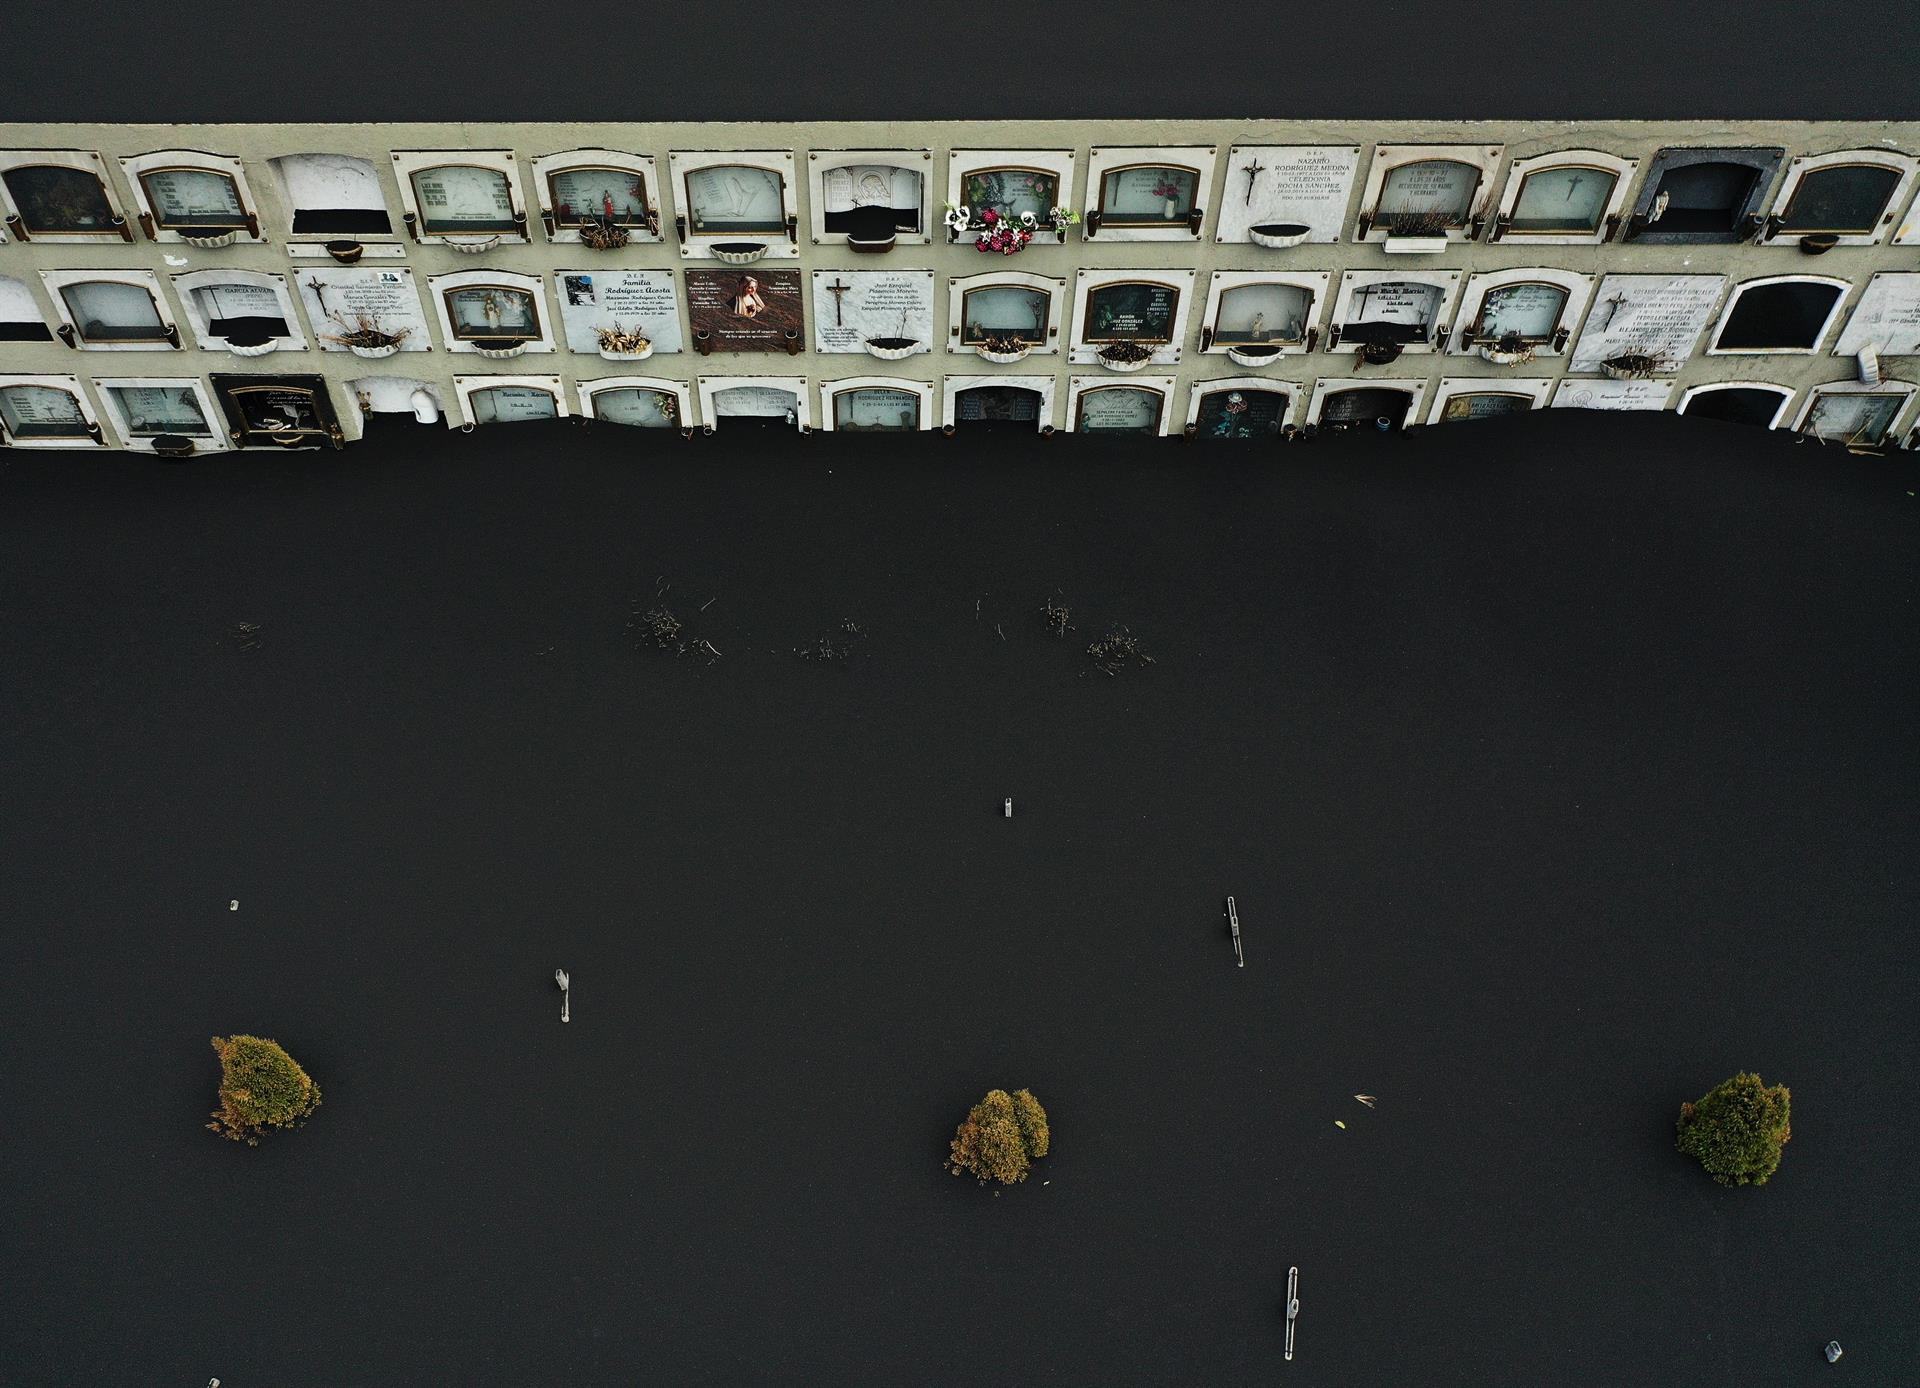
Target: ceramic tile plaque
(1307, 185)
(627, 299)
(852, 307)
(746, 310)
(1612, 395)
(338, 300)
(1887, 318)
(1659, 315)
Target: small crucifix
(1253, 171)
(838, 290)
(1613, 306)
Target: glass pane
(491, 311)
(456, 198)
(1847, 199)
(189, 199)
(1010, 192)
(104, 311)
(41, 412)
(1852, 418)
(759, 402)
(1440, 190)
(1571, 198)
(1485, 405)
(1147, 196)
(997, 404)
(53, 200)
(1004, 309)
(1532, 310)
(855, 411)
(1241, 414)
(1366, 405)
(1131, 313)
(882, 195)
(151, 410)
(734, 198)
(1264, 313)
(644, 409)
(1119, 410)
(582, 195)
(512, 405)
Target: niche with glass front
(46, 412)
(59, 195)
(874, 198)
(1755, 404)
(1010, 183)
(875, 407)
(467, 199)
(736, 207)
(1459, 399)
(1238, 411)
(1419, 197)
(242, 311)
(1387, 406)
(110, 311)
(1786, 314)
(1856, 416)
(1003, 317)
(191, 196)
(1125, 410)
(1128, 311)
(510, 402)
(1843, 199)
(1703, 196)
(494, 314)
(638, 403)
(600, 197)
(1147, 193)
(1527, 312)
(155, 414)
(1253, 316)
(1381, 314)
(1571, 197)
(334, 195)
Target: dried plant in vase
(1004, 346)
(1126, 356)
(623, 342)
(363, 335)
(603, 233)
(1509, 349)
(1417, 223)
(1634, 364)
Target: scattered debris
(246, 635)
(1116, 650)
(1366, 1099)
(1057, 615)
(709, 602)
(1233, 925)
(233, 906)
(833, 647)
(997, 627)
(1338, 1124)
(660, 626)
(1293, 1305)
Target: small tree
(1737, 1130)
(1000, 1137)
(261, 1087)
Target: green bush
(1737, 1130)
(261, 1087)
(1000, 1137)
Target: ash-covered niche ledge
(192, 197)
(601, 199)
(465, 200)
(870, 199)
(60, 197)
(736, 206)
(1419, 199)
(1147, 192)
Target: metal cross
(838, 290)
(1613, 308)
(1253, 171)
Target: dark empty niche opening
(997, 407)
(1704, 200)
(1366, 405)
(248, 331)
(1846, 199)
(1736, 405)
(341, 221)
(1786, 315)
(25, 332)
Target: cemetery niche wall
(183, 290)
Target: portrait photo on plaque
(745, 310)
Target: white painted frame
(1534, 388)
(1104, 159)
(1352, 281)
(1473, 296)
(698, 245)
(408, 162)
(1800, 166)
(216, 440)
(642, 165)
(1820, 339)
(465, 386)
(86, 160)
(73, 386)
(1786, 394)
(681, 391)
(1905, 389)
(293, 340)
(922, 389)
(1085, 282)
(1080, 386)
(821, 160)
(1387, 158)
(1043, 386)
(1623, 170)
(1416, 387)
(797, 386)
(1057, 305)
(55, 280)
(438, 285)
(1061, 163)
(1315, 282)
(1295, 391)
(136, 165)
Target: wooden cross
(838, 290)
(1253, 171)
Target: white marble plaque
(851, 306)
(1887, 318)
(1660, 315)
(220, 301)
(1305, 184)
(336, 301)
(1125, 408)
(511, 404)
(1612, 395)
(1405, 302)
(629, 299)
(755, 402)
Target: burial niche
(875, 409)
(736, 199)
(29, 412)
(20, 319)
(1010, 191)
(1841, 199)
(1365, 405)
(870, 204)
(1240, 413)
(997, 407)
(241, 314)
(1564, 199)
(495, 316)
(1859, 419)
(58, 200)
(1757, 406)
(766, 406)
(151, 411)
(1396, 311)
(1484, 404)
(641, 407)
(333, 195)
(463, 199)
(1700, 199)
(1259, 314)
(511, 404)
(1784, 315)
(195, 202)
(1148, 195)
(1131, 410)
(1529, 310)
(590, 194)
(1002, 311)
(1428, 197)
(1131, 311)
(105, 312)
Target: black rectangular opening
(341, 221)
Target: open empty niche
(1240, 412)
(1857, 418)
(1703, 196)
(59, 195)
(1263, 313)
(1104, 409)
(48, 412)
(1757, 405)
(415, 400)
(20, 319)
(1783, 315)
(511, 404)
(875, 409)
(333, 195)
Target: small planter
(373, 353)
(173, 445)
(211, 241)
(1819, 243)
(871, 245)
(1253, 354)
(607, 354)
(891, 348)
(246, 348)
(1277, 236)
(1415, 245)
(1379, 353)
(739, 252)
(1019, 353)
(1629, 366)
(473, 247)
(600, 236)
(346, 252)
(500, 348)
(1124, 363)
(1502, 356)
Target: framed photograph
(59, 195)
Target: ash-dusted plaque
(889, 307)
(623, 299)
(1660, 316)
(745, 310)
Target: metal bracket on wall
(1194, 218)
(146, 224)
(1091, 224)
(17, 227)
(413, 225)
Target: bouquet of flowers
(1004, 232)
(1166, 188)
